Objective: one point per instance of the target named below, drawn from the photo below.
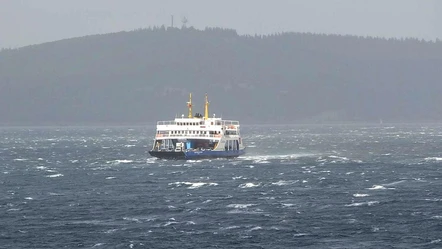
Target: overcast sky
(25, 22)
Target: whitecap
(56, 175)
(256, 228)
(287, 204)
(238, 177)
(129, 145)
(283, 183)
(110, 177)
(377, 187)
(240, 206)
(132, 219)
(434, 199)
(300, 234)
(394, 183)
(249, 185)
(122, 161)
(357, 204)
(230, 227)
(170, 223)
(361, 195)
(20, 159)
(29, 198)
(432, 159)
(98, 244)
(193, 185)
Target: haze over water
(325, 186)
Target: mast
(206, 109)
(189, 105)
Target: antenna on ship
(206, 109)
(189, 105)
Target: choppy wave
(357, 204)
(295, 186)
(193, 185)
(249, 185)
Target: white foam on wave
(41, 167)
(377, 187)
(240, 206)
(249, 185)
(55, 175)
(266, 158)
(394, 183)
(434, 199)
(238, 177)
(255, 228)
(230, 227)
(300, 234)
(287, 204)
(361, 195)
(193, 185)
(116, 162)
(358, 204)
(29, 198)
(20, 159)
(170, 223)
(437, 159)
(436, 241)
(129, 145)
(98, 244)
(110, 177)
(283, 183)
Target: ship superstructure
(197, 136)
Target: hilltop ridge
(145, 75)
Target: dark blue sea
(321, 186)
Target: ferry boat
(197, 136)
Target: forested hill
(145, 75)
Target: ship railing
(217, 122)
(230, 122)
(166, 123)
(188, 135)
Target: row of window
(194, 123)
(189, 132)
(190, 123)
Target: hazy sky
(25, 22)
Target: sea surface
(320, 186)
